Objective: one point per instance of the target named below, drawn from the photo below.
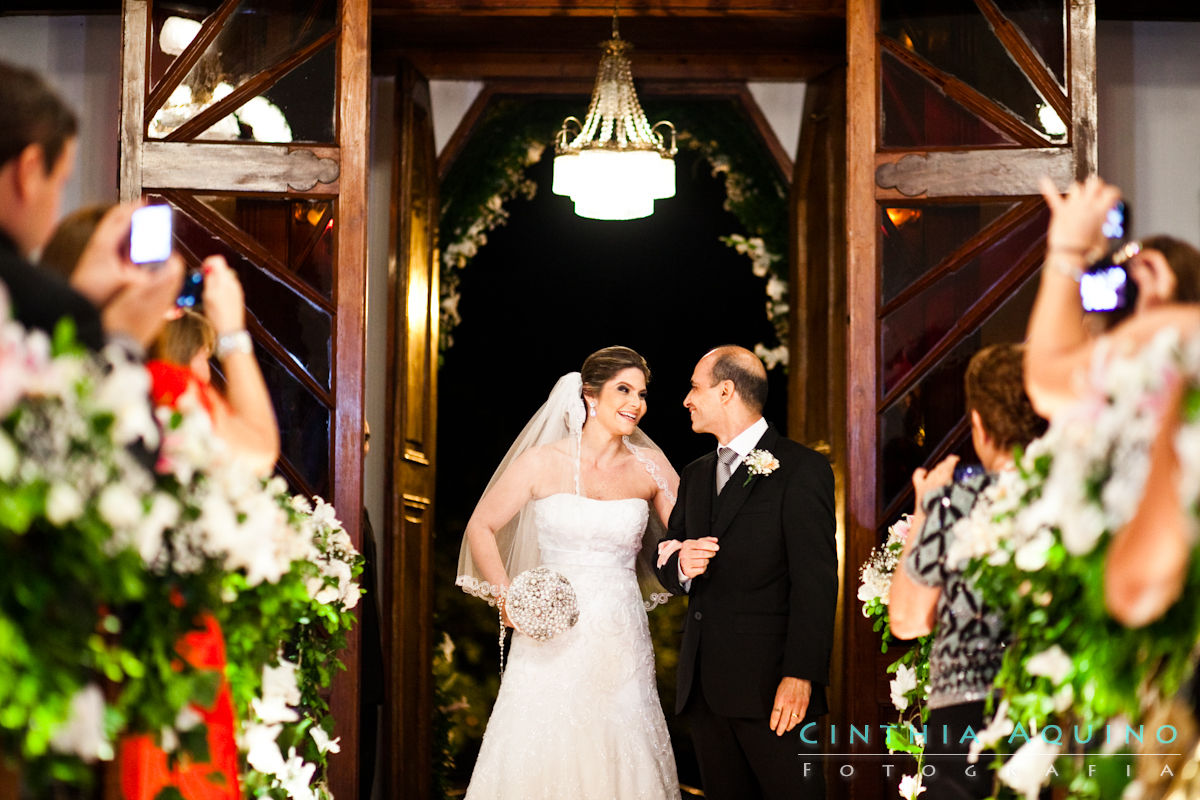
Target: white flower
(1064, 698)
(1053, 663)
(262, 751)
(771, 357)
(119, 507)
(83, 732)
(281, 681)
(296, 777)
(324, 743)
(63, 504)
(904, 682)
(1032, 555)
(8, 457)
(1025, 771)
(910, 787)
(997, 729)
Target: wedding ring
(795, 715)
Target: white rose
(63, 504)
(1053, 663)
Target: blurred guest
(242, 415)
(108, 296)
(1148, 558)
(930, 594)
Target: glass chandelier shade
(614, 164)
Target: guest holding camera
(929, 593)
(1148, 558)
(242, 416)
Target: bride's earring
(591, 408)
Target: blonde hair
(181, 339)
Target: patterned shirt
(970, 639)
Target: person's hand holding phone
(133, 301)
(1077, 219)
(224, 301)
(104, 268)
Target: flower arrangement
(121, 527)
(1036, 544)
(911, 670)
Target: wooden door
(413, 311)
(956, 108)
(250, 118)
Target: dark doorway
(548, 289)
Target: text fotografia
(1106, 735)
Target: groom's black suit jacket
(764, 609)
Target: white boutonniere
(759, 462)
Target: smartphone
(150, 236)
(193, 290)
(1106, 286)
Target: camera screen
(1105, 289)
(150, 235)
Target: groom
(751, 541)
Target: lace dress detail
(650, 466)
(578, 716)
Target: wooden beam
(968, 97)
(628, 8)
(1027, 58)
(220, 167)
(1081, 21)
(135, 59)
(859, 702)
(971, 173)
(349, 349)
(445, 64)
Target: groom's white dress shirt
(741, 444)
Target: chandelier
(614, 164)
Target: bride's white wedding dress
(578, 717)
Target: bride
(577, 716)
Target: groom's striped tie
(726, 458)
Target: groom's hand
(791, 703)
(694, 555)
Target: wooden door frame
(409, 479)
(339, 172)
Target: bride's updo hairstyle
(600, 367)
